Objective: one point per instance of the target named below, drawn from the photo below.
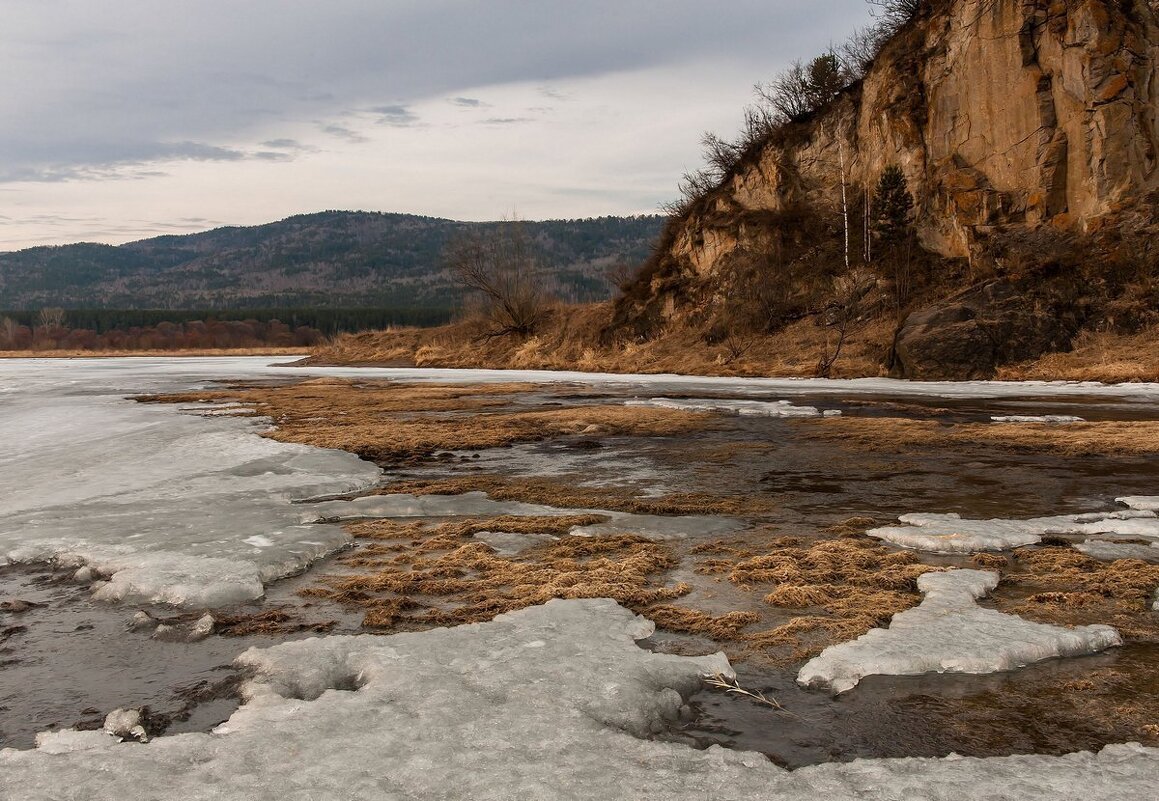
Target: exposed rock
(1019, 125)
(970, 334)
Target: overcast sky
(122, 119)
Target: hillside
(1026, 133)
(330, 259)
(968, 190)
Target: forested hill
(329, 259)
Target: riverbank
(574, 338)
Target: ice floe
(1142, 503)
(950, 533)
(550, 702)
(744, 408)
(1053, 419)
(949, 633)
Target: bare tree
(8, 329)
(787, 94)
(841, 312)
(50, 318)
(894, 13)
(502, 268)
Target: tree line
(135, 329)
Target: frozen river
(166, 504)
(175, 506)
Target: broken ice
(950, 533)
(949, 633)
(550, 702)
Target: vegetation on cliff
(963, 188)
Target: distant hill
(330, 259)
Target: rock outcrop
(1005, 116)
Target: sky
(124, 119)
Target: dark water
(68, 661)
(1033, 710)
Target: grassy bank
(571, 339)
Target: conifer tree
(892, 208)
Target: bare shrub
(503, 269)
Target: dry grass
(847, 586)
(277, 621)
(899, 435)
(1106, 357)
(393, 422)
(571, 341)
(1062, 586)
(435, 575)
(692, 621)
(563, 494)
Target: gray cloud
(342, 132)
(127, 160)
(77, 75)
(397, 115)
(468, 102)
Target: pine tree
(892, 208)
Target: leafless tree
(8, 329)
(502, 268)
(845, 307)
(50, 318)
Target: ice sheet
(547, 703)
(949, 633)
(744, 408)
(950, 533)
(166, 506)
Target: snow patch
(950, 533)
(744, 408)
(1052, 419)
(1143, 503)
(169, 507)
(949, 633)
(549, 702)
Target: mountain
(329, 259)
(1027, 136)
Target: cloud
(468, 102)
(397, 115)
(343, 132)
(129, 160)
(506, 120)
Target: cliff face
(1003, 115)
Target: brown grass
(440, 577)
(567, 495)
(571, 341)
(847, 587)
(692, 621)
(1107, 357)
(1062, 586)
(271, 621)
(898, 435)
(395, 422)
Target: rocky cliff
(1012, 120)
